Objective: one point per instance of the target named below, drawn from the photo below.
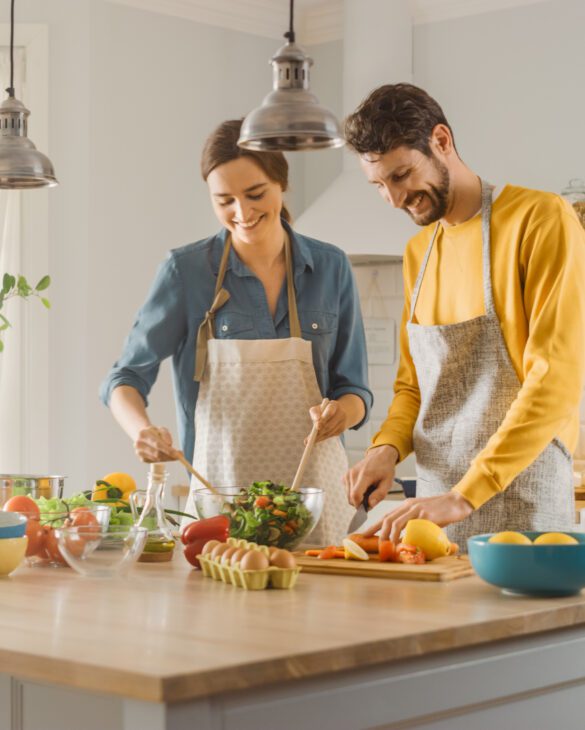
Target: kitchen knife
(361, 513)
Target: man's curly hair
(394, 115)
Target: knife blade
(361, 513)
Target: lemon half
(555, 538)
(510, 538)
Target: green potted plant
(18, 286)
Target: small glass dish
(97, 554)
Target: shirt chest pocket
(317, 324)
(234, 326)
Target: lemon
(428, 537)
(510, 538)
(353, 551)
(555, 538)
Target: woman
(262, 323)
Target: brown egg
(254, 560)
(227, 554)
(219, 550)
(237, 556)
(283, 559)
(271, 552)
(209, 545)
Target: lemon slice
(353, 551)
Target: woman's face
(245, 200)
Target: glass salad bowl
(265, 513)
(98, 554)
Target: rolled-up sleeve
(348, 366)
(159, 329)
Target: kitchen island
(166, 649)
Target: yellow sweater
(538, 275)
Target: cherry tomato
(24, 504)
(52, 546)
(35, 534)
(193, 549)
(213, 528)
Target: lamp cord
(10, 89)
(290, 34)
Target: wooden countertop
(166, 633)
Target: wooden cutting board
(441, 569)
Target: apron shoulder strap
(293, 315)
(206, 328)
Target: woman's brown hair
(222, 146)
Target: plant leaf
(1, 345)
(43, 283)
(24, 288)
(46, 302)
(8, 281)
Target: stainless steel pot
(33, 485)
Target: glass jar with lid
(574, 193)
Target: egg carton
(250, 580)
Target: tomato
(36, 537)
(214, 528)
(387, 551)
(410, 554)
(24, 504)
(193, 549)
(85, 519)
(262, 502)
(52, 546)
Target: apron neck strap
(293, 315)
(488, 295)
(206, 328)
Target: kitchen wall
(510, 83)
(132, 96)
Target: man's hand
(442, 510)
(154, 444)
(377, 467)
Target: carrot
(313, 553)
(279, 513)
(369, 544)
(330, 552)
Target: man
(492, 336)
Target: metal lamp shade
(21, 164)
(290, 117)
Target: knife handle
(367, 493)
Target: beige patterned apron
(252, 414)
(467, 384)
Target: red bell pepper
(213, 528)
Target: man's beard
(437, 194)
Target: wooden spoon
(307, 452)
(181, 457)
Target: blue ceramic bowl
(12, 524)
(531, 570)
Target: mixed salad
(55, 506)
(269, 514)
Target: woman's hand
(330, 422)
(338, 416)
(443, 509)
(154, 444)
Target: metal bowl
(33, 485)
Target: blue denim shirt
(167, 323)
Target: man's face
(410, 180)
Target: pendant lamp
(290, 117)
(21, 164)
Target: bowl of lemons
(543, 564)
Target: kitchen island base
(535, 682)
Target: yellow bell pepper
(116, 485)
